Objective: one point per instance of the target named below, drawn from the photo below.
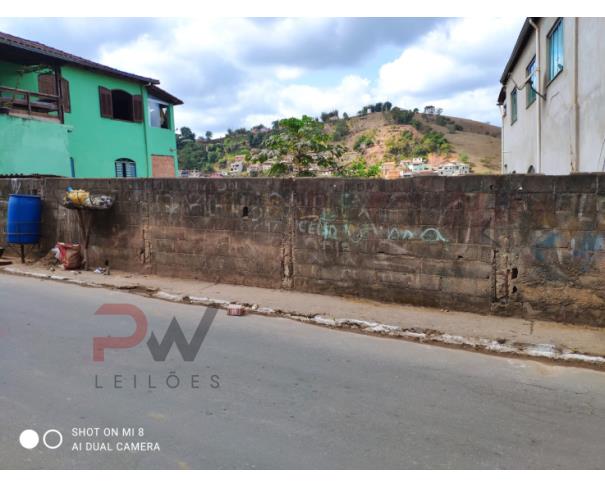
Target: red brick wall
(162, 166)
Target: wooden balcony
(30, 103)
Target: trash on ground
(69, 255)
(235, 310)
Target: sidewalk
(512, 336)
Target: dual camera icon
(52, 439)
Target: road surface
(273, 393)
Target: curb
(419, 335)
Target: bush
(401, 117)
(407, 145)
(364, 141)
(359, 169)
(341, 130)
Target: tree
(364, 141)
(402, 145)
(185, 136)
(359, 169)
(304, 142)
(402, 117)
(208, 135)
(326, 116)
(341, 130)
(387, 106)
(408, 145)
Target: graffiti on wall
(328, 227)
(567, 256)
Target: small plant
(341, 130)
(364, 141)
(359, 168)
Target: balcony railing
(30, 102)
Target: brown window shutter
(46, 84)
(105, 102)
(137, 108)
(65, 95)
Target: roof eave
(163, 95)
(524, 35)
(91, 65)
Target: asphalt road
(289, 395)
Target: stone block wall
(526, 245)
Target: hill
(375, 138)
(477, 141)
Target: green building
(64, 115)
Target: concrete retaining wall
(523, 244)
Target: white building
(236, 167)
(553, 97)
(453, 169)
(418, 165)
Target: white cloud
(420, 70)
(242, 72)
(288, 72)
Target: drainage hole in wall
(515, 273)
(461, 257)
(514, 289)
(245, 212)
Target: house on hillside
(237, 165)
(64, 115)
(453, 169)
(553, 97)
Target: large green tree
(304, 142)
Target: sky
(240, 72)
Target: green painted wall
(31, 146)
(9, 76)
(93, 142)
(97, 142)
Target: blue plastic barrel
(23, 219)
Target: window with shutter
(137, 108)
(46, 84)
(105, 102)
(65, 95)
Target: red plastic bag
(70, 255)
